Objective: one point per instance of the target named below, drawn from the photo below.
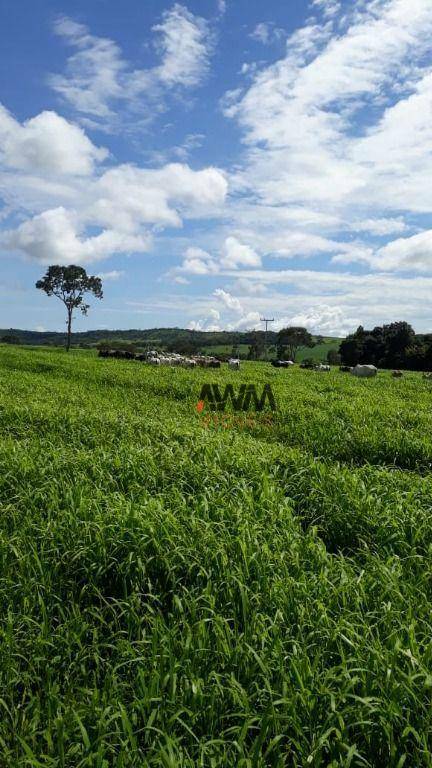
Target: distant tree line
(389, 346)
(158, 337)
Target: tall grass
(180, 595)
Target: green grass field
(177, 592)
(318, 352)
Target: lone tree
(70, 284)
(291, 340)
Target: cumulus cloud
(234, 255)
(323, 319)
(229, 301)
(54, 236)
(237, 254)
(198, 262)
(128, 196)
(209, 323)
(98, 79)
(47, 143)
(404, 254)
(71, 216)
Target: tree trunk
(69, 330)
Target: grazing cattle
(213, 364)
(345, 368)
(201, 361)
(234, 364)
(153, 361)
(322, 367)
(364, 371)
(282, 363)
(397, 374)
(307, 365)
(189, 363)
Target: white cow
(233, 363)
(322, 367)
(153, 360)
(364, 371)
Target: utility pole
(266, 320)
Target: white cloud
(380, 227)
(266, 32)
(125, 205)
(198, 262)
(54, 236)
(249, 321)
(47, 143)
(98, 79)
(184, 47)
(127, 196)
(210, 323)
(323, 319)
(329, 8)
(249, 287)
(229, 301)
(237, 254)
(306, 146)
(234, 255)
(404, 254)
(113, 274)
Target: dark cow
(345, 368)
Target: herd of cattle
(173, 359)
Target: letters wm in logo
(245, 399)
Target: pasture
(179, 593)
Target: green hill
(181, 339)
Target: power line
(266, 320)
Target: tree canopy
(389, 346)
(70, 284)
(291, 339)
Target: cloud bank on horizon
(219, 164)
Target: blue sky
(217, 161)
